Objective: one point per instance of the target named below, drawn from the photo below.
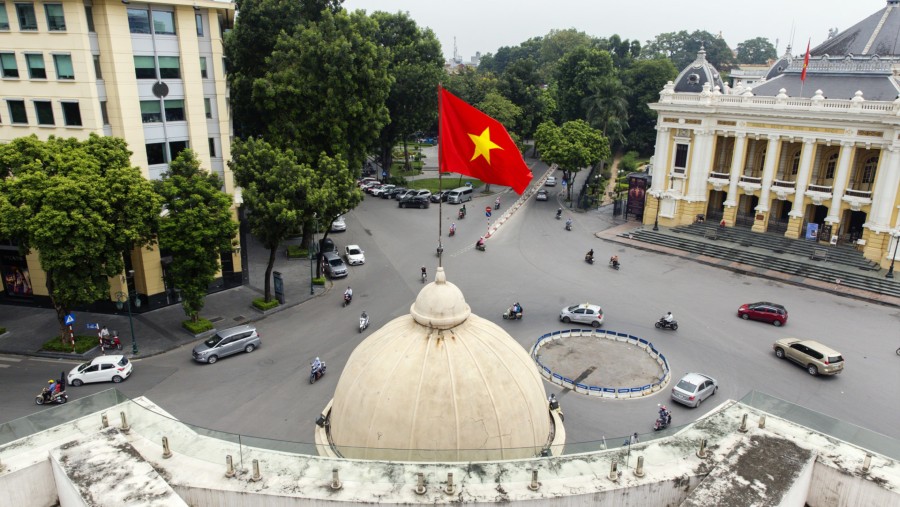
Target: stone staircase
(841, 264)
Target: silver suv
(334, 265)
(818, 359)
(227, 342)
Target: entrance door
(852, 225)
(746, 211)
(715, 205)
(779, 217)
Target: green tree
(572, 147)
(275, 193)
(82, 206)
(643, 82)
(606, 108)
(252, 39)
(682, 47)
(576, 73)
(416, 65)
(197, 228)
(325, 87)
(756, 51)
(331, 193)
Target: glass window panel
(156, 153)
(27, 18)
(175, 111)
(71, 114)
(4, 17)
(144, 67)
(89, 14)
(169, 67)
(203, 67)
(56, 20)
(36, 69)
(176, 147)
(44, 112)
(64, 67)
(163, 23)
(139, 20)
(17, 112)
(199, 18)
(212, 146)
(151, 111)
(97, 71)
(104, 113)
(207, 106)
(8, 65)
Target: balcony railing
(751, 179)
(784, 184)
(679, 170)
(719, 176)
(819, 188)
(858, 193)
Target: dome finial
(440, 304)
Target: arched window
(795, 163)
(830, 164)
(868, 170)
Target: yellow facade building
(812, 154)
(150, 73)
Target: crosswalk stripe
(11, 359)
(4, 366)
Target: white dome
(439, 385)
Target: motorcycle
(614, 264)
(363, 322)
(663, 421)
(568, 225)
(461, 214)
(110, 342)
(347, 299)
(59, 397)
(589, 259)
(480, 246)
(554, 407)
(509, 315)
(452, 231)
(424, 277)
(558, 214)
(662, 323)
(496, 204)
(316, 373)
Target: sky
(486, 25)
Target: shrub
(82, 344)
(400, 181)
(202, 325)
(261, 304)
(319, 281)
(629, 162)
(2, 330)
(297, 252)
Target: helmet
(662, 407)
(51, 381)
(317, 358)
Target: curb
(519, 203)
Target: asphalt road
(533, 260)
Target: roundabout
(602, 363)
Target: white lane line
(10, 359)
(4, 366)
(59, 361)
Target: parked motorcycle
(316, 373)
(110, 342)
(363, 322)
(554, 407)
(662, 323)
(59, 397)
(510, 315)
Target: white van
(459, 195)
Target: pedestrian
(722, 224)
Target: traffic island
(602, 363)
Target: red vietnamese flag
(805, 63)
(474, 144)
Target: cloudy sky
(485, 25)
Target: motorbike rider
(348, 294)
(453, 228)
(665, 417)
(462, 210)
(558, 212)
(514, 310)
(480, 242)
(590, 255)
(316, 365)
(568, 223)
(104, 337)
(50, 390)
(669, 318)
(424, 273)
(364, 318)
(614, 261)
(554, 404)
(497, 203)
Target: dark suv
(415, 201)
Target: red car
(773, 313)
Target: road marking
(11, 359)
(59, 361)
(4, 365)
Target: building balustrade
(768, 103)
(679, 170)
(719, 176)
(820, 188)
(751, 179)
(784, 183)
(858, 193)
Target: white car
(338, 225)
(586, 314)
(378, 192)
(551, 181)
(355, 255)
(101, 369)
(693, 388)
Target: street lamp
(123, 298)
(312, 254)
(890, 273)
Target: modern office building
(150, 73)
(810, 151)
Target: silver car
(225, 343)
(693, 388)
(586, 314)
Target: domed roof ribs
(876, 34)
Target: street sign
(70, 319)
(487, 211)
(93, 325)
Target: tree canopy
(196, 229)
(81, 205)
(682, 47)
(572, 147)
(576, 73)
(756, 51)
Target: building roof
(874, 35)
(440, 384)
(697, 74)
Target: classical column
(737, 167)
(660, 160)
(887, 180)
(768, 173)
(806, 159)
(840, 183)
(701, 161)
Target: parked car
(776, 314)
(101, 369)
(338, 225)
(541, 195)
(378, 192)
(414, 201)
(362, 182)
(334, 265)
(440, 196)
(227, 342)
(693, 388)
(372, 186)
(818, 359)
(394, 193)
(407, 193)
(551, 181)
(354, 255)
(327, 245)
(585, 313)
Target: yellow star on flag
(483, 145)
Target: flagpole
(440, 179)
